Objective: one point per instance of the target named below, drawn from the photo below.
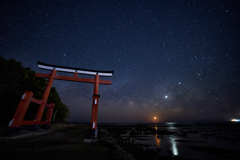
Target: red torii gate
(27, 98)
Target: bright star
(166, 96)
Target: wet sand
(178, 141)
(149, 141)
(62, 143)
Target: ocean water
(180, 141)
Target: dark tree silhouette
(14, 81)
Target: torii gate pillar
(95, 102)
(45, 96)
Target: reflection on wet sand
(157, 139)
(172, 139)
(174, 145)
(198, 141)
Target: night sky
(177, 60)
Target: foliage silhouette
(14, 81)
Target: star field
(175, 59)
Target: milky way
(177, 60)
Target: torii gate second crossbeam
(18, 119)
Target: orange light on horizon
(155, 118)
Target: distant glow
(170, 123)
(174, 146)
(155, 118)
(171, 126)
(166, 96)
(235, 120)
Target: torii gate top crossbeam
(75, 70)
